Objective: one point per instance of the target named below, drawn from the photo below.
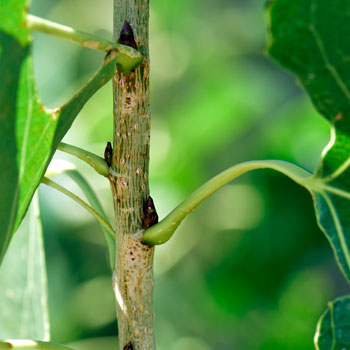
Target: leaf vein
(338, 228)
(341, 84)
(334, 190)
(338, 172)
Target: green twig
(98, 163)
(161, 232)
(92, 211)
(95, 203)
(128, 58)
(31, 344)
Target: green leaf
(23, 292)
(29, 133)
(15, 109)
(311, 39)
(333, 328)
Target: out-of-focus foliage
(249, 269)
(23, 296)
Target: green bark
(133, 276)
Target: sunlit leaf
(18, 101)
(333, 328)
(23, 292)
(312, 39)
(29, 133)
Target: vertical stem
(133, 276)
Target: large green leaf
(14, 107)
(311, 38)
(29, 133)
(333, 328)
(23, 292)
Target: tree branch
(133, 276)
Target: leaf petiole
(92, 211)
(162, 232)
(65, 32)
(128, 58)
(31, 344)
(98, 163)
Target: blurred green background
(249, 269)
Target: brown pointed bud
(108, 154)
(150, 215)
(128, 346)
(127, 36)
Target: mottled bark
(133, 276)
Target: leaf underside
(311, 38)
(29, 133)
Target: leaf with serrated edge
(311, 39)
(23, 292)
(29, 133)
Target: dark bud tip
(127, 36)
(150, 214)
(108, 154)
(128, 346)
